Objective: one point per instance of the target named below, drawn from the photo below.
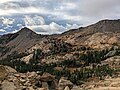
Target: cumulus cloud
(2, 30)
(7, 21)
(69, 26)
(34, 20)
(52, 28)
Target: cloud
(14, 31)
(52, 28)
(3, 1)
(2, 30)
(33, 20)
(69, 26)
(56, 8)
(38, 24)
(99, 7)
(7, 21)
(49, 16)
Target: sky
(54, 16)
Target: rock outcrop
(65, 84)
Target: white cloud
(12, 11)
(56, 27)
(69, 26)
(19, 25)
(52, 28)
(2, 30)
(34, 20)
(7, 21)
(14, 31)
(55, 8)
(48, 29)
(3, 1)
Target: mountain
(18, 41)
(80, 55)
(100, 35)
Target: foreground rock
(6, 85)
(4, 71)
(12, 80)
(47, 77)
(65, 84)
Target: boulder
(6, 85)
(63, 83)
(5, 70)
(47, 77)
(26, 59)
(10, 70)
(111, 53)
(45, 85)
(30, 88)
(67, 88)
(31, 74)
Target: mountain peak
(25, 29)
(106, 26)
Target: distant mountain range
(105, 31)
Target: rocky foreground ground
(12, 80)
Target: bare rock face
(47, 77)
(113, 40)
(63, 83)
(6, 85)
(5, 70)
(67, 88)
(112, 61)
(76, 88)
(10, 70)
(98, 40)
(26, 59)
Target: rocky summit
(86, 58)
